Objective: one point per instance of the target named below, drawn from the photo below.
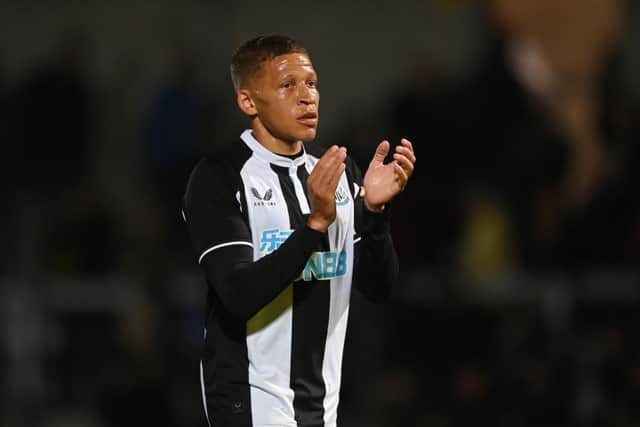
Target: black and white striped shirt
(279, 292)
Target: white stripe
(341, 235)
(221, 245)
(356, 190)
(297, 185)
(269, 347)
(357, 240)
(183, 215)
(204, 397)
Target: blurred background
(519, 235)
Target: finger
(407, 152)
(337, 171)
(336, 154)
(381, 152)
(332, 183)
(405, 163)
(331, 151)
(334, 162)
(401, 175)
(327, 175)
(327, 163)
(405, 142)
(328, 155)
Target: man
(281, 233)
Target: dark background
(519, 234)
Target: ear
(245, 102)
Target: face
(283, 98)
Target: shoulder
(218, 169)
(229, 157)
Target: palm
(382, 183)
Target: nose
(306, 96)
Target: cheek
(278, 113)
(282, 101)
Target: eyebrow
(293, 76)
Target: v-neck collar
(269, 156)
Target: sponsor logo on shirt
(320, 266)
(324, 266)
(271, 239)
(262, 200)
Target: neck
(271, 142)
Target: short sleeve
(212, 210)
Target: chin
(308, 135)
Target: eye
(287, 85)
(312, 83)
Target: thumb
(381, 152)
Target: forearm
(376, 266)
(245, 286)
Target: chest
(278, 202)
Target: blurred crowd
(530, 161)
(457, 365)
(527, 169)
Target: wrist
(376, 224)
(370, 207)
(317, 224)
(374, 208)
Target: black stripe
(296, 219)
(226, 369)
(225, 362)
(309, 335)
(302, 176)
(310, 314)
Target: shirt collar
(263, 153)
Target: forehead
(289, 63)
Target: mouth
(308, 119)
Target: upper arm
(212, 210)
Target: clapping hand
(382, 182)
(322, 184)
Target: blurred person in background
(172, 137)
(64, 229)
(8, 171)
(53, 119)
(425, 107)
(272, 222)
(52, 126)
(549, 137)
